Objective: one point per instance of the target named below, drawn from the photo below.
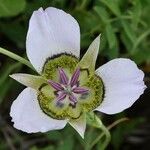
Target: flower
(67, 88)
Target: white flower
(66, 89)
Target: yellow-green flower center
(70, 90)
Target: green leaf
(4, 89)
(54, 135)
(110, 36)
(103, 43)
(11, 7)
(6, 70)
(141, 56)
(112, 53)
(113, 6)
(139, 40)
(136, 12)
(67, 143)
(112, 41)
(89, 23)
(127, 43)
(128, 30)
(102, 13)
(5, 82)
(15, 31)
(87, 20)
(36, 4)
(120, 131)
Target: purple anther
(75, 77)
(80, 90)
(68, 88)
(73, 99)
(61, 96)
(55, 85)
(63, 76)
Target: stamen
(75, 77)
(80, 90)
(65, 88)
(61, 96)
(63, 77)
(73, 99)
(55, 85)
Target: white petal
(51, 32)
(79, 125)
(123, 85)
(28, 117)
(89, 59)
(29, 80)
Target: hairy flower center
(70, 90)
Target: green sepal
(79, 124)
(29, 80)
(89, 59)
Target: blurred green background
(125, 32)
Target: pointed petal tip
(99, 36)
(11, 75)
(41, 9)
(82, 136)
(81, 133)
(14, 76)
(97, 40)
(79, 125)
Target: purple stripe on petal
(75, 77)
(61, 96)
(63, 77)
(80, 90)
(55, 85)
(72, 98)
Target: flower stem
(117, 122)
(95, 121)
(16, 57)
(106, 133)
